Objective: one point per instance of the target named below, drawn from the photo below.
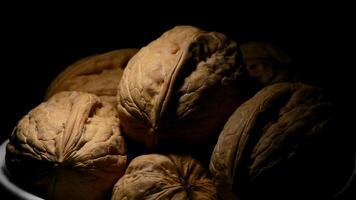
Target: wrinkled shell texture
(266, 63)
(268, 131)
(68, 147)
(180, 87)
(154, 176)
(98, 74)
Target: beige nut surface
(97, 74)
(180, 87)
(68, 147)
(156, 176)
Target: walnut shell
(274, 141)
(181, 87)
(68, 147)
(157, 176)
(267, 63)
(97, 74)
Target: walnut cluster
(234, 117)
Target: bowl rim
(6, 183)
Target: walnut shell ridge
(68, 147)
(180, 87)
(156, 176)
(279, 130)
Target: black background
(37, 45)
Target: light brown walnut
(68, 147)
(180, 87)
(156, 176)
(97, 74)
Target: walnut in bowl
(97, 74)
(68, 147)
(280, 143)
(156, 176)
(180, 87)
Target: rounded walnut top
(156, 176)
(67, 146)
(180, 87)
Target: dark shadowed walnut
(267, 63)
(155, 176)
(180, 87)
(277, 143)
(97, 74)
(69, 147)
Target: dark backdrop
(36, 46)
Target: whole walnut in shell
(180, 87)
(277, 143)
(156, 176)
(267, 63)
(97, 74)
(68, 147)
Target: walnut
(68, 147)
(156, 176)
(267, 63)
(181, 87)
(97, 74)
(275, 142)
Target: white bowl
(7, 184)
